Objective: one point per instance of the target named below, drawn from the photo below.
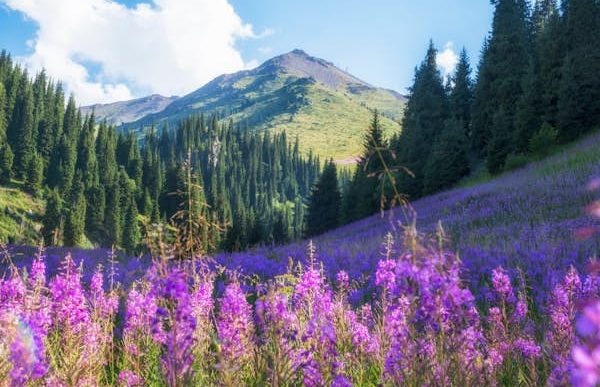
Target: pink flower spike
(594, 209)
(594, 184)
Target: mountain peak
(298, 51)
(299, 63)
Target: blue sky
(380, 41)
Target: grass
(331, 124)
(20, 216)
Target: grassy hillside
(533, 219)
(20, 216)
(325, 107)
(330, 123)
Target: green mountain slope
(20, 216)
(119, 113)
(327, 108)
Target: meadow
(490, 284)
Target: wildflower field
(501, 292)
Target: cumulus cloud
(447, 60)
(105, 51)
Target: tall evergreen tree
(21, 130)
(504, 65)
(6, 154)
(366, 190)
(424, 118)
(35, 174)
(579, 102)
(324, 203)
(74, 232)
(53, 219)
(131, 229)
(448, 161)
(461, 94)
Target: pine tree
(503, 67)
(424, 118)
(96, 211)
(197, 232)
(579, 98)
(324, 203)
(35, 175)
(112, 216)
(6, 154)
(52, 220)
(3, 118)
(550, 47)
(364, 195)
(75, 220)
(448, 162)
(461, 94)
(131, 229)
(6, 163)
(21, 129)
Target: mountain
(119, 113)
(327, 108)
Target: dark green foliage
(35, 175)
(425, 115)
(6, 163)
(364, 195)
(543, 141)
(504, 65)
(74, 232)
(53, 218)
(482, 111)
(21, 129)
(448, 162)
(131, 230)
(112, 215)
(324, 203)
(579, 98)
(461, 93)
(514, 161)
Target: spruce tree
(324, 203)
(579, 98)
(74, 232)
(35, 175)
(3, 118)
(52, 220)
(365, 192)
(504, 65)
(112, 215)
(550, 47)
(461, 94)
(21, 129)
(448, 161)
(6, 154)
(131, 229)
(424, 118)
(6, 163)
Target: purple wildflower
(234, 326)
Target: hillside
(534, 218)
(20, 216)
(119, 113)
(325, 107)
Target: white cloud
(104, 51)
(447, 60)
(265, 50)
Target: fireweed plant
(413, 320)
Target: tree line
(537, 86)
(100, 185)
